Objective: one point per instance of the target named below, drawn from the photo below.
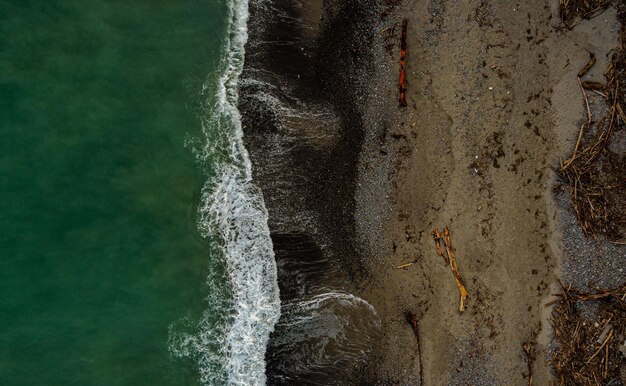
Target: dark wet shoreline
(304, 134)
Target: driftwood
(402, 83)
(450, 259)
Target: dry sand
(494, 105)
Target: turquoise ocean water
(134, 249)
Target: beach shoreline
(304, 134)
(355, 183)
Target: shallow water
(100, 250)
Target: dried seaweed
(587, 343)
(587, 350)
(596, 175)
(572, 11)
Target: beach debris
(411, 318)
(595, 172)
(388, 7)
(588, 348)
(590, 63)
(443, 238)
(573, 11)
(402, 82)
(437, 237)
(405, 265)
(389, 39)
(597, 86)
(604, 333)
(530, 357)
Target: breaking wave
(229, 348)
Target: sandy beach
(493, 108)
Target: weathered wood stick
(451, 260)
(402, 82)
(455, 269)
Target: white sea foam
(232, 207)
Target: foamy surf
(232, 208)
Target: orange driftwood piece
(450, 259)
(402, 83)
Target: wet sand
(304, 134)
(354, 183)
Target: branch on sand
(443, 238)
